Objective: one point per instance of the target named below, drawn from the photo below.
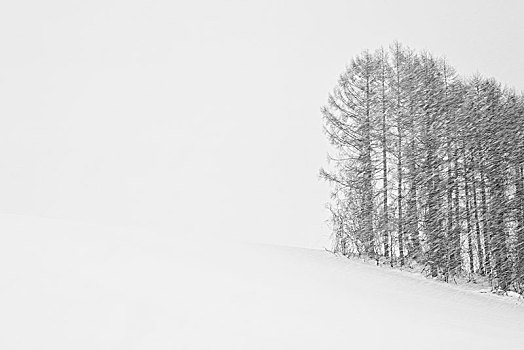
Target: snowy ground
(75, 286)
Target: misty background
(203, 117)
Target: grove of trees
(427, 167)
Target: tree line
(427, 167)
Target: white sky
(202, 117)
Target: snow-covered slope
(74, 286)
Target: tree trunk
(456, 258)
(519, 198)
(412, 205)
(384, 161)
(468, 215)
(368, 176)
(485, 220)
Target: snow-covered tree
(427, 167)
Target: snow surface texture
(74, 286)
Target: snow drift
(75, 286)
